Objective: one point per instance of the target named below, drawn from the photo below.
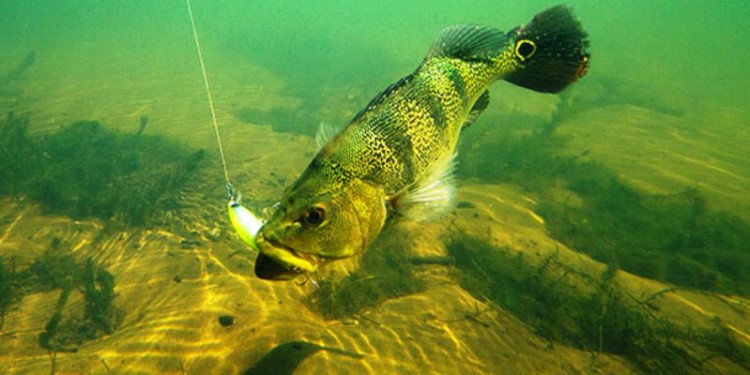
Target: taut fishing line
(230, 188)
(244, 222)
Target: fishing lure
(244, 222)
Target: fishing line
(230, 188)
(244, 222)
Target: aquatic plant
(57, 333)
(9, 287)
(587, 312)
(85, 170)
(67, 329)
(17, 155)
(100, 313)
(385, 272)
(669, 238)
(675, 238)
(55, 269)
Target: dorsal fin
(468, 42)
(479, 106)
(326, 132)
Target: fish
(396, 157)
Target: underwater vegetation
(385, 272)
(604, 319)
(18, 72)
(55, 269)
(8, 288)
(11, 82)
(669, 238)
(675, 238)
(85, 170)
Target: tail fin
(552, 49)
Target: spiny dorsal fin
(326, 132)
(479, 106)
(432, 197)
(468, 42)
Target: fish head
(313, 224)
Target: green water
(642, 166)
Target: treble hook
(308, 277)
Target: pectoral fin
(432, 197)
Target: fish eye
(314, 216)
(525, 49)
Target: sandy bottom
(172, 327)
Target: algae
(9, 288)
(675, 238)
(554, 300)
(68, 328)
(18, 157)
(56, 269)
(85, 170)
(98, 290)
(385, 272)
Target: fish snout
(278, 262)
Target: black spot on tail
(552, 50)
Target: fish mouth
(277, 261)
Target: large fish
(396, 156)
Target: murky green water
(607, 226)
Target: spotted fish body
(396, 155)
